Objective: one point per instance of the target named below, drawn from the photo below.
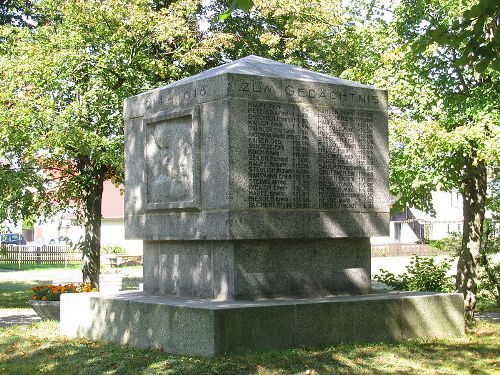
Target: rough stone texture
(208, 327)
(256, 149)
(257, 268)
(46, 310)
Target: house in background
(412, 225)
(112, 224)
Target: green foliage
(17, 12)
(62, 86)
(446, 112)
(450, 244)
(493, 202)
(422, 274)
(62, 91)
(317, 35)
(113, 249)
(489, 272)
(445, 125)
(244, 5)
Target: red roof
(112, 201)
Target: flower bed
(53, 292)
(46, 299)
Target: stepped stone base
(209, 328)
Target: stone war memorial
(256, 187)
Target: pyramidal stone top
(260, 66)
(257, 78)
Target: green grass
(34, 267)
(15, 295)
(131, 283)
(108, 269)
(29, 349)
(39, 348)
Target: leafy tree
(446, 129)
(16, 12)
(62, 88)
(321, 35)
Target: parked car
(61, 240)
(12, 239)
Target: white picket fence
(36, 254)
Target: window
(397, 232)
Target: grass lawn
(31, 267)
(15, 294)
(38, 348)
(105, 268)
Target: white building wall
(448, 207)
(448, 219)
(113, 233)
(407, 235)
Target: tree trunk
(474, 194)
(91, 245)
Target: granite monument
(255, 187)
(257, 179)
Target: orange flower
(56, 290)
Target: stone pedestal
(251, 269)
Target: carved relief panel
(172, 160)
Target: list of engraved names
(289, 146)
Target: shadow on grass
(16, 294)
(35, 348)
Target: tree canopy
(446, 122)
(61, 97)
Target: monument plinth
(248, 182)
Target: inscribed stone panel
(291, 146)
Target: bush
(422, 274)
(113, 249)
(451, 244)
